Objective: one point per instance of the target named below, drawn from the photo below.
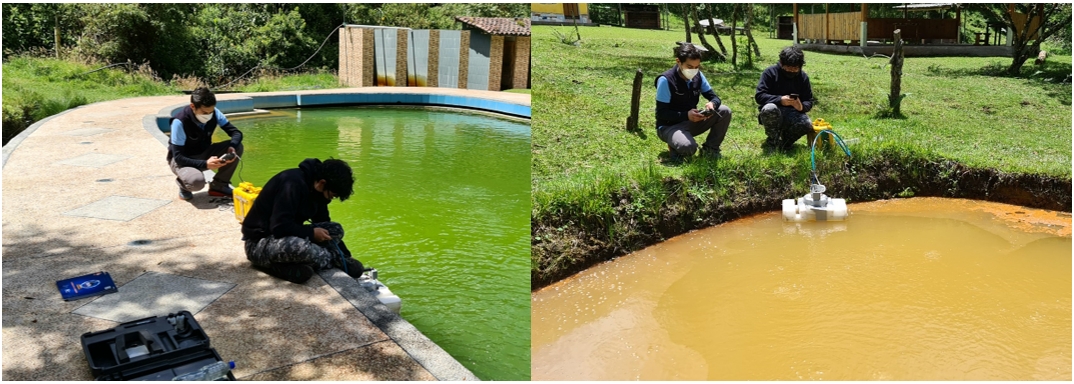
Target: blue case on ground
(93, 284)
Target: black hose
(289, 69)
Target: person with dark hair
(784, 96)
(278, 239)
(191, 150)
(678, 121)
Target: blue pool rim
(159, 124)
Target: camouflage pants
(783, 125)
(293, 249)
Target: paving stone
(119, 208)
(155, 294)
(382, 361)
(87, 131)
(94, 160)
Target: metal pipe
(372, 26)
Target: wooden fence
(847, 26)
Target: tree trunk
(716, 33)
(701, 35)
(57, 33)
(895, 99)
(749, 31)
(686, 20)
(635, 103)
(734, 39)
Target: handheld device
(793, 96)
(707, 112)
(228, 156)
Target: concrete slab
(155, 294)
(383, 361)
(266, 323)
(87, 131)
(119, 208)
(94, 160)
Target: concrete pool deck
(88, 190)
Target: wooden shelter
(641, 16)
(859, 28)
(857, 32)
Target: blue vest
(198, 139)
(684, 94)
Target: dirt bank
(565, 245)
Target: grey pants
(293, 249)
(783, 125)
(680, 137)
(192, 179)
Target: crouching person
(784, 98)
(278, 239)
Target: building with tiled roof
(497, 25)
(499, 56)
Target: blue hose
(813, 151)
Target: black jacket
(198, 139)
(286, 203)
(775, 83)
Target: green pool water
(441, 208)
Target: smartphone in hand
(793, 96)
(228, 156)
(707, 112)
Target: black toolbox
(153, 348)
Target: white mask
(689, 73)
(204, 118)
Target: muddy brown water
(923, 288)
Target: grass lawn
(958, 109)
(35, 88)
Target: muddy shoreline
(564, 245)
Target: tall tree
(748, 27)
(686, 20)
(1029, 33)
(716, 31)
(734, 38)
(701, 34)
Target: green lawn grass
(593, 178)
(953, 107)
(36, 87)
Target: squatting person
(678, 121)
(191, 150)
(278, 239)
(784, 97)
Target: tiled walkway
(88, 190)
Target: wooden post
(795, 37)
(635, 101)
(895, 99)
(827, 19)
(864, 25)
